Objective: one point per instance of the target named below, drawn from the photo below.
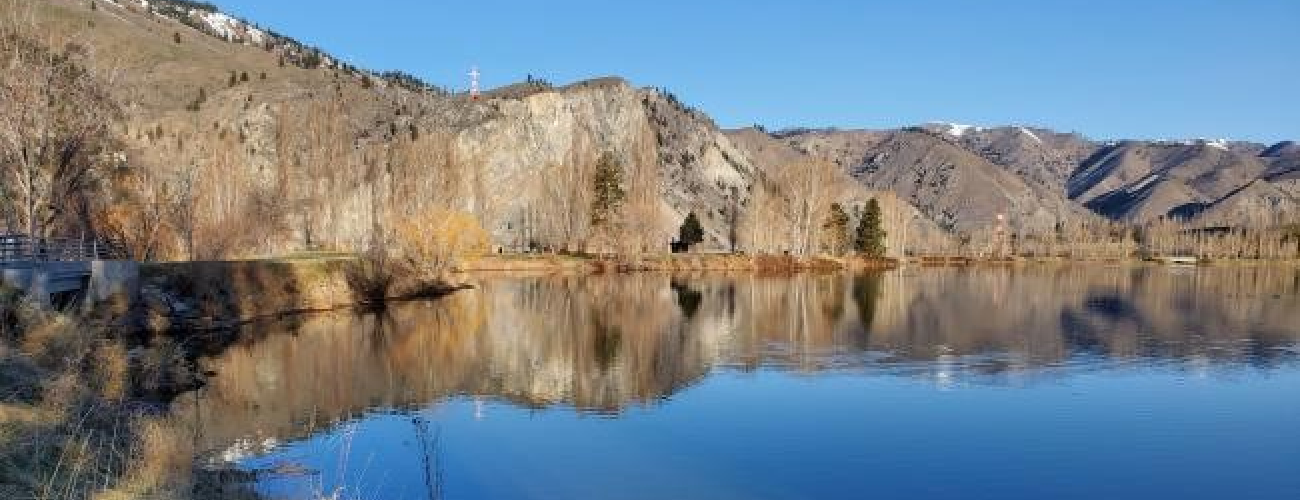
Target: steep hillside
(1258, 204)
(321, 154)
(1040, 156)
(960, 189)
(938, 173)
(846, 148)
(1141, 181)
(772, 152)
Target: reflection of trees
(604, 342)
(866, 293)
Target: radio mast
(473, 83)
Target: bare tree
(790, 204)
(643, 226)
(566, 195)
(54, 123)
(315, 146)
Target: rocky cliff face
(525, 148)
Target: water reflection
(606, 343)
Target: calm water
(1051, 383)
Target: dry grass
(71, 426)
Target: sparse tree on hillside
(870, 238)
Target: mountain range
(227, 97)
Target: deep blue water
(932, 383)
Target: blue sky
(1106, 68)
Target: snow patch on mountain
(230, 28)
(1142, 184)
(215, 23)
(957, 129)
(1030, 133)
(1221, 144)
(1218, 144)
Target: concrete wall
(113, 280)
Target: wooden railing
(22, 248)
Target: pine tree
(234, 79)
(243, 77)
(608, 190)
(835, 230)
(691, 232)
(870, 238)
(176, 37)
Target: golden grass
(67, 428)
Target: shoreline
(218, 295)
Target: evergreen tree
(691, 232)
(870, 240)
(176, 37)
(608, 189)
(243, 77)
(835, 230)
(234, 79)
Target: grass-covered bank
(666, 262)
(82, 409)
(217, 295)
(84, 392)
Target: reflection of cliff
(604, 342)
(597, 344)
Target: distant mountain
(940, 173)
(1284, 149)
(961, 176)
(1142, 181)
(1039, 155)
